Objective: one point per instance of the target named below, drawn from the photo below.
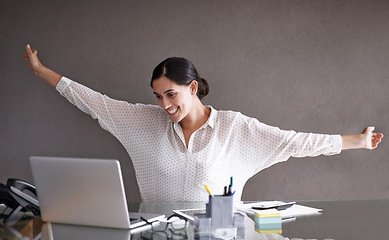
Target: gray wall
(312, 66)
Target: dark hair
(182, 72)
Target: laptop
(87, 192)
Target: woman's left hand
(372, 139)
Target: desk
(351, 219)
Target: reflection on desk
(55, 231)
(355, 219)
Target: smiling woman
(179, 89)
(182, 104)
(181, 145)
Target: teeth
(172, 111)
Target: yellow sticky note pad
(268, 213)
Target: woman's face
(175, 99)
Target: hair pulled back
(182, 72)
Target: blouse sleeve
(271, 145)
(97, 105)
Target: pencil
(209, 191)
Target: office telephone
(14, 196)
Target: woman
(181, 145)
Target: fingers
(376, 139)
(26, 57)
(30, 56)
(374, 144)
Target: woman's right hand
(30, 56)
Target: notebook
(87, 192)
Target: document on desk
(294, 211)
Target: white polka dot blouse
(228, 144)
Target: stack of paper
(287, 214)
(268, 221)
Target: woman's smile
(172, 111)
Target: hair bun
(203, 89)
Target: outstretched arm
(367, 139)
(51, 77)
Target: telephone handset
(14, 196)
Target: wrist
(354, 141)
(361, 141)
(39, 71)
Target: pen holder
(221, 210)
(219, 213)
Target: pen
(230, 193)
(209, 191)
